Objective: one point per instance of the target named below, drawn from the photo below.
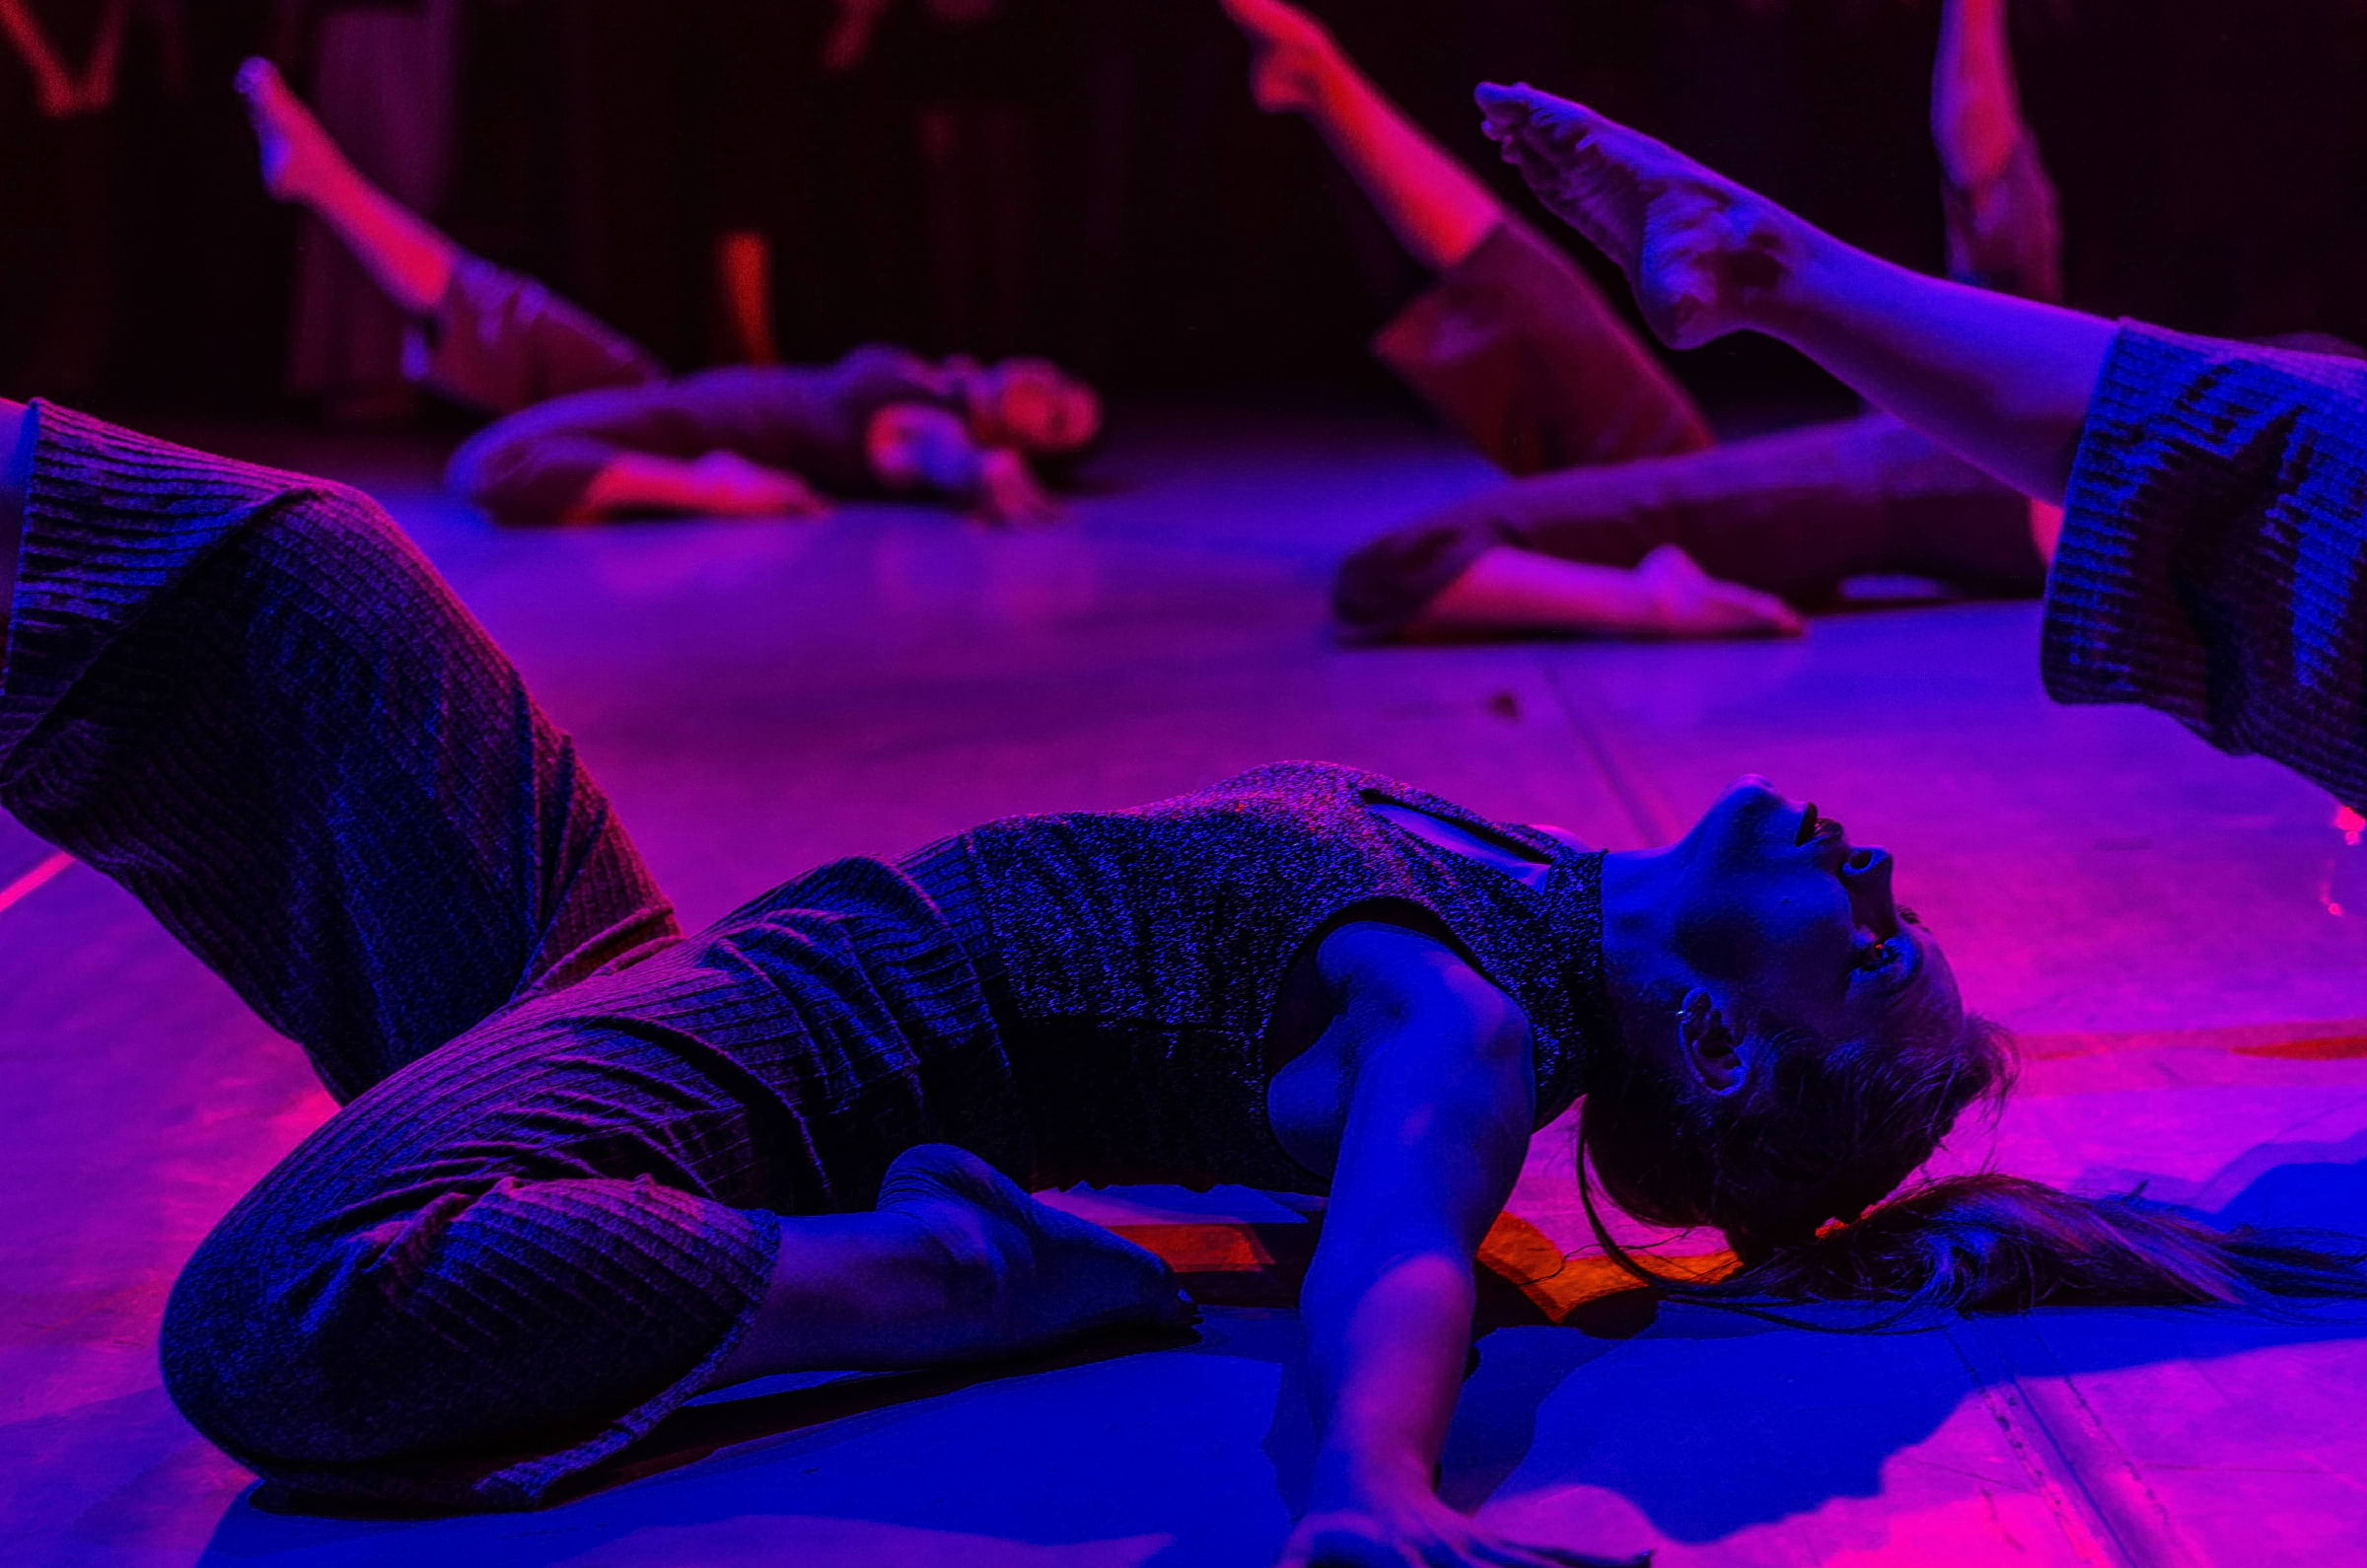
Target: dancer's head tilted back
(1794, 1043)
(1034, 406)
(1794, 1046)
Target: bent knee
(396, 1357)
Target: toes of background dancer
(1506, 109)
(1688, 601)
(1752, 612)
(1502, 110)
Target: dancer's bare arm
(1418, 1101)
(2004, 383)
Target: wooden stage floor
(2181, 939)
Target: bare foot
(1687, 601)
(1048, 1276)
(1290, 54)
(723, 483)
(1702, 253)
(301, 162)
(1509, 592)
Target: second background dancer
(1625, 515)
(591, 426)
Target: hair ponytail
(1995, 1243)
(1835, 1128)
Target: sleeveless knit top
(1134, 960)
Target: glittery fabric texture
(552, 1202)
(2213, 546)
(1139, 954)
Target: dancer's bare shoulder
(1386, 992)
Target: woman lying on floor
(1632, 520)
(589, 1166)
(592, 427)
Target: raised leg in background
(2003, 383)
(1975, 109)
(1438, 209)
(743, 290)
(2004, 226)
(405, 256)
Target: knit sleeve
(2214, 534)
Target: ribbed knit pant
(549, 1207)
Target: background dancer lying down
(2212, 547)
(589, 1166)
(1636, 521)
(592, 426)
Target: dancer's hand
(1417, 1528)
(725, 484)
(1008, 492)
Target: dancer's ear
(1713, 1051)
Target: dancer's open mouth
(1816, 830)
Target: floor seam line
(1626, 782)
(41, 875)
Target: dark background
(1102, 190)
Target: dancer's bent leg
(514, 1257)
(2213, 538)
(481, 335)
(1729, 541)
(1519, 351)
(245, 695)
(1515, 346)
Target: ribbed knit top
(1135, 958)
(2215, 550)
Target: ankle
(1796, 272)
(952, 1246)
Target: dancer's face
(1036, 408)
(1781, 917)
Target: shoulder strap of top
(1371, 786)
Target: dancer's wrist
(1363, 1478)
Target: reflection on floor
(2159, 923)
